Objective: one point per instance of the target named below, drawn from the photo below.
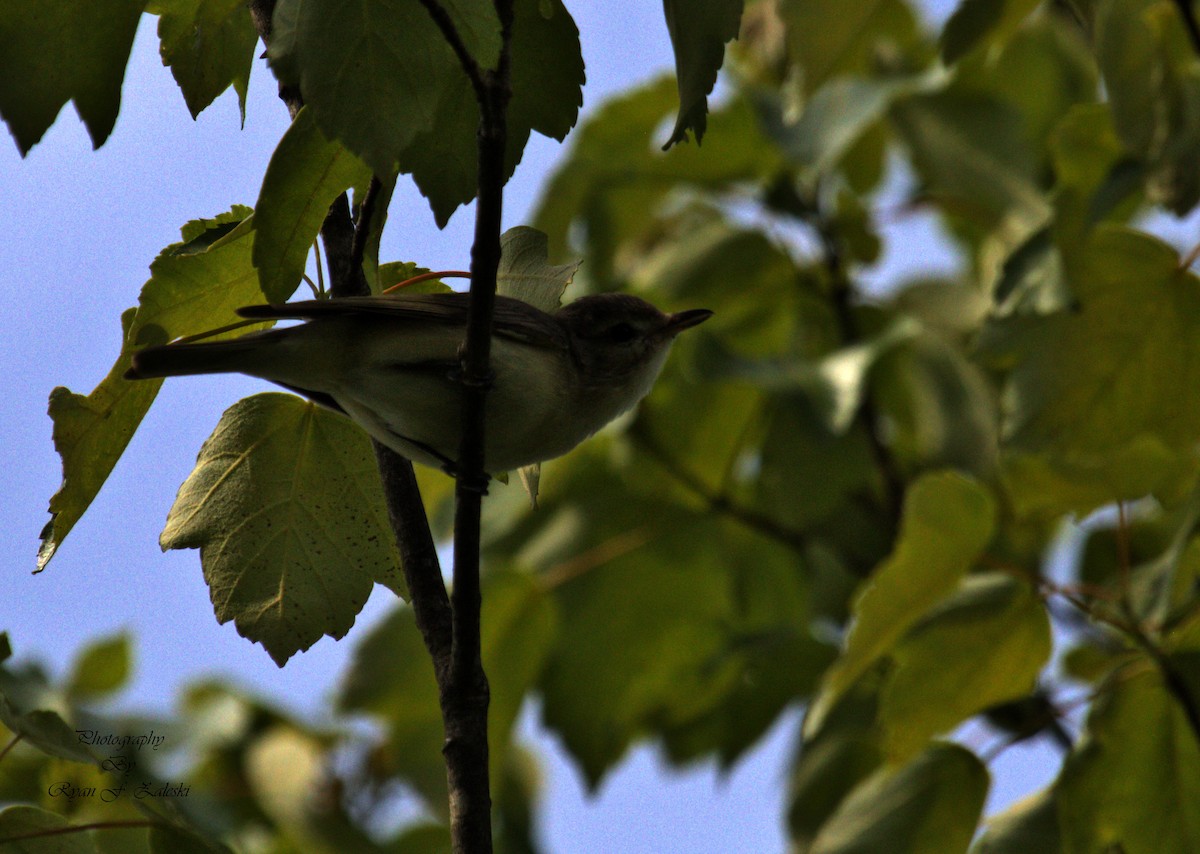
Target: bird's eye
(621, 332)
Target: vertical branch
(465, 694)
(345, 243)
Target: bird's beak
(682, 320)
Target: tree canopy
(838, 496)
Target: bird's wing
(512, 319)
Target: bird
(391, 364)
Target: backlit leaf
(287, 510)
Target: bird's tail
(210, 357)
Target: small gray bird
(390, 363)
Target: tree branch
(1188, 14)
(362, 229)
(450, 33)
(719, 502)
(465, 694)
(345, 242)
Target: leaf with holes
(286, 507)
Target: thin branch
(320, 269)
(719, 502)
(81, 828)
(406, 511)
(450, 33)
(16, 739)
(1188, 14)
(418, 556)
(1174, 681)
(261, 12)
(465, 694)
(425, 277)
(366, 216)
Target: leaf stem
(425, 277)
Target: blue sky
(78, 230)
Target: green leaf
(392, 678)
(941, 407)
(837, 115)
(197, 284)
(698, 35)
(193, 286)
(969, 152)
(613, 179)
(983, 645)
(827, 770)
(1152, 81)
(102, 668)
(769, 311)
(547, 80)
(1137, 741)
(90, 434)
(947, 522)
(518, 624)
(547, 72)
(285, 767)
(478, 26)
(306, 173)
(330, 48)
(287, 510)
(1095, 391)
(828, 38)
(422, 839)
(1049, 483)
(40, 831)
(209, 45)
(46, 731)
(1128, 54)
(1029, 826)
(420, 111)
(525, 274)
(979, 23)
(74, 50)
(930, 805)
(661, 618)
(802, 455)
(165, 839)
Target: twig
(719, 502)
(1173, 680)
(80, 828)
(320, 269)
(465, 695)
(16, 739)
(362, 229)
(425, 277)
(450, 33)
(261, 12)
(406, 511)
(418, 556)
(1188, 14)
